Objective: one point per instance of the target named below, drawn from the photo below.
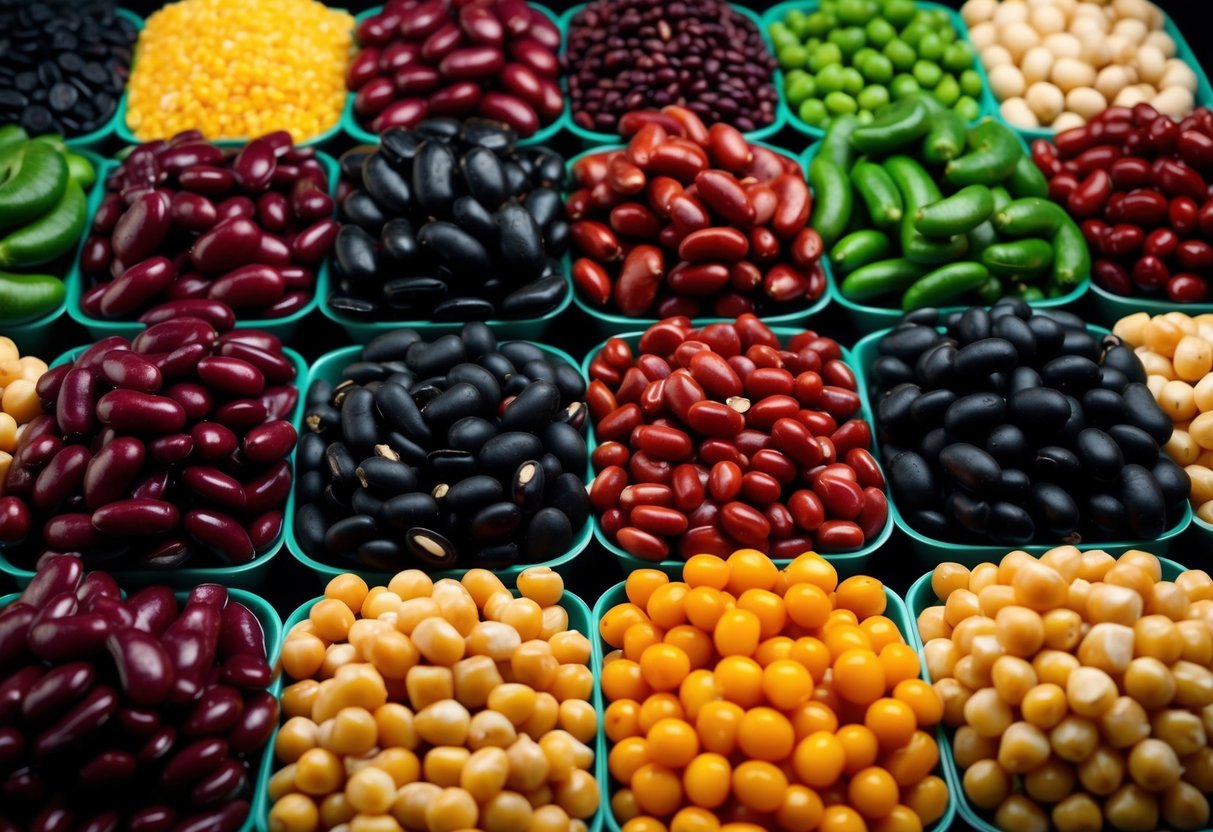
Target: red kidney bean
(1091, 194)
(70, 637)
(1161, 243)
(1130, 172)
(76, 405)
(1185, 217)
(144, 669)
(642, 544)
(1187, 288)
(714, 244)
(216, 314)
(230, 244)
(1177, 179)
(93, 711)
(839, 536)
(126, 518)
(60, 478)
(142, 227)
(134, 412)
(1121, 240)
(1150, 273)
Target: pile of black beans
(705, 56)
(1022, 426)
(63, 64)
(450, 222)
(460, 451)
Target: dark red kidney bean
(745, 524)
(247, 672)
(73, 637)
(108, 213)
(455, 99)
(1089, 198)
(312, 244)
(1101, 157)
(172, 449)
(204, 179)
(511, 109)
(875, 513)
(632, 219)
(724, 481)
(216, 712)
(185, 155)
(1044, 154)
(854, 433)
(1150, 273)
(158, 745)
(770, 409)
(404, 112)
(645, 469)
(760, 488)
(130, 411)
(658, 520)
(58, 688)
(230, 376)
(193, 762)
(274, 251)
(240, 633)
(412, 80)
(532, 53)
(111, 470)
(1187, 288)
(257, 722)
(714, 375)
(221, 533)
(1112, 276)
(648, 494)
(236, 207)
(782, 524)
(867, 472)
(1121, 240)
(254, 165)
(171, 335)
(721, 192)
(50, 383)
(92, 357)
(144, 669)
(793, 206)
(154, 609)
(441, 42)
(764, 200)
(218, 315)
(97, 585)
(35, 452)
(109, 767)
(1161, 243)
(191, 642)
(842, 498)
(641, 544)
(714, 419)
(1130, 172)
(662, 442)
(1185, 218)
(187, 287)
(1194, 255)
(129, 370)
(224, 783)
(728, 147)
(268, 489)
(1061, 186)
(55, 577)
(214, 486)
(192, 211)
(231, 243)
(1194, 147)
(680, 159)
(75, 409)
(297, 278)
(838, 536)
(706, 539)
(142, 228)
(714, 244)
(152, 819)
(1177, 179)
(60, 479)
(249, 287)
(794, 439)
(134, 517)
(17, 685)
(279, 402)
(481, 25)
(1072, 142)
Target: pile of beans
(1177, 353)
(19, 403)
(187, 225)
(64, 65)
(134, 713)
(235, 70)
(1079, 686)
(436, 706)
(449, 222)
(900, 241)
(1136, 179)
(764, 699)
(705, 56)
(1058, 64)
(456, 450)
(1019, 427)
(718, 438)
(728, 216)
(497, 59)
(854, 56)
(150, 452)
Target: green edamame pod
(1031, 217)
(993, 153)
(881, 278)
(964, 210)
(832, 197)
(988, 292)
(1001, 197)
(918, 189)
(946, 138)
(858, 249)
(1027, 179)
(944, 285)
(897, 125)
(81, 170)
(39, 177)
(1019, 258)
(1071, 257)
(837, 142)
(24, 297)
(50, 235)
(878, 193)
(980, 238)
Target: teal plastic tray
(895, 610)
(285, 327)
(328, 367)
(1110, 308)
(251, 575)
(271, 624)
(918, 599)
(580, 619)
(349, 121)
(593, 138)
(846, 563)
(611, 323)
(98, 137)
(931, 551)
(987, 103)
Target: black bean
(495, 556)
(888, 372)
(310, 528)
(1080, 342)
(1101, 456)
(544, 205)
(399, 146)
(894, 410)
(521, 353)
(567, 495)
(936, 366)
(932, 444)
(1172, 479)
(390, 346)
(491, 134)
(462, 309)
(381, 554)
(534, 407)
(495, 521)
(360, 208)
(470, 434)
(354, 251)
(350, 532)
(1010, 524)
(434, 176)
(351, 163)
(971, 467)
(310, 486)
(974, 324)
(1056, 464)
(1124, 360)
(1048, 334)
(456, 402)
(358, 424)
(536, 298)
(1022, 378)
(552, 468)
(484, 176)
(1014, 485)
(341, 464)
(437, 357)
(386, 476)
(970, 513)
(1018, 333)
(450, 465)
(411, 509)
(1007, 444)
(310, 453)
(1038, 410)
(1054, 509)
(567, 444)
(418, 293)
(382, 181)
(909, 342)
(549, 534)
(497, 364)
(929, 522)
(989, 355)
(1143, 411)
(430, 547)
(1145, 504)
(475, 219)
(974, 414)
(502, 454)
(1070, 374)
(399, 241)
(399, 412)
(1103, 407)
(911, 480)
(1105, 514)
(557, 238)
(363, 502)
(520, 241)
(570, 383)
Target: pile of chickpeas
(19, 401)
(1177, 353)
(1080, 689)
(436, 706)
(744, 698)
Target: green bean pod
(858, 249)
(944, 285)
(1071, 257)
(49, 236)
(832, 199)
(964, 210)
(881, 278)
(878, 193)
(897, 125)
(1023, 259)
(1027, 179)
(1031, 217)
(919, 189)
(38, 177)
(994, 152)
(946, 138)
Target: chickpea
(1019, 814)
(1037, 64)
(1197, 641)
(1077, 813)
(932, 623)
(955, 697)
(1022, 748)
(1018, 114)
(987, 713)
(941, 656)
(294, 813)
(1044, 705)
(1050, 782)
(1108, 647)
(1013, 678)
(1075, 738)
(1185, 807)
(1054, 666)
(1062, 629)
(1181, 729)
(968, 746)
(986, 784)
(1020, 630)
(1132, 808)
(972, 673)
(995, 597)
(1198, 769)
(1125, 723)
(1114, 604)
(966, 631)
(1193, 684)
(982, 576)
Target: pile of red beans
(1138, 183)
(133, 714)
(721, 438)
(190, 228)
(497, 59)
(151, 452)
(692, 221)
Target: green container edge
(868, 319)
(99, 328)
(593, 138)
(580, 619)
(846, 563)
(271, 626)
(328, 367)
(609, 323)
(1110, 308)
(896, 610)
(244, 576)
(349, 121)
(988, 105)
(920, 597)
(929, 551)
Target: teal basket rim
(611, 322)
(592, 138)
(918, 598)
(1111, 307)
(349, 120)
(101, 327)
(895, 610)
(847, 563)
(973, 553)
(189, 575)
(987, 104)
(271, 626)
(580, 619)
(96, 138)
(1203, 96)
(330, 364)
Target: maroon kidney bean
(154, 609)
(214, 486)
(240, 414)
(269, 442)
(77, 402)
(132, 517)
(312, 244)
(144, 669)
(455, 99)
(230, 244)
(71, 637)
(1130, 172)
(55, 577)
(113, 611)
(172, 449)
(158, 745)
(152, 819)
(375, 95)
(481, 25)
(256, 723)
(236, 207)
(1195, 147)
(113, 766)
(1187, 288)
(203, 179)
(533, 54)
(441, 43)
(398, 55)
(511, 109)
(249, 287)
(1185, 218)
(130, 411)
(838, 536)
(1194, 256)
(60, 478)
(1177, 179)
(97, 585)
(406, 112)
(216, 712)
(745, 524)
(1161, 243)
(17, 685)
(224, 783)
(142, 228)
(221, 533)
(191, 212)
(194, 762)
(230, 376)
(1092, 193)
(56, 689)
(213, 440)
(168, 336)
(1150, 273)
(127, 369)
(72, 531)
(218, 315)
(279, 402)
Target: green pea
(793, 57)
(947, 91)
(850, 40)
(903, 85)
(939, 19)
(798, 85)
(830, 79)
(970, 83)
(879, 32)
(783, 37)
(900, 53)
(856, 11)
(930, 48)
(865, 116)
(873, 97)
(797, 22)
(879, 70)
(967, 108)
(862, 57)
(839, 103)
(914, 33)
(813, 111)
(947, 34)
(927, 74)
(827, 54)
(852, 81)
(899, 12)
(817, 25)
(958, 57)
